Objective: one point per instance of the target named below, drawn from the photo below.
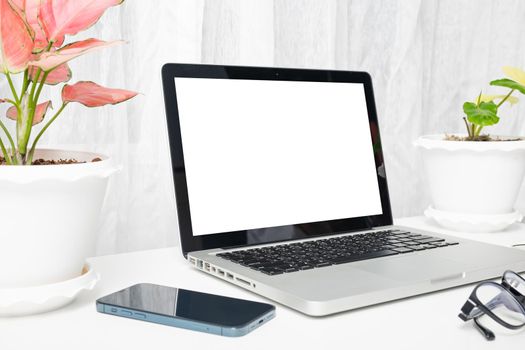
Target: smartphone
(188, 309)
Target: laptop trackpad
(417, 268)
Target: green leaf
(485, 114)
(511, 84)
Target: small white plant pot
(49, 216)
(473, 177)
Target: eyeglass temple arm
(466, 310)
(487, 333)
(465, 316)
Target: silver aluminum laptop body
(235, 214)
(337, 288)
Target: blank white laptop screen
(269, 153)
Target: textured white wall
(426, 57)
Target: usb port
(221, 273)
(229, 275)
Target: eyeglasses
(504, 303)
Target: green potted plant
(49, 199)
(474, 178)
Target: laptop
(281, 189)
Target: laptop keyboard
(293, 257)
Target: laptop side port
(220, 272)
(243, 281)
(229, 275)
(207, 267)
(199, 264)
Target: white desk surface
(424, 322)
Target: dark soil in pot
(54, 162)
(479, 138)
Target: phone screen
(187, 304)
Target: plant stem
(38, 72)
(8, 136)
(32, 151)
(33, 105)
(13, 91)
(25, 84)
(5, 153)
(468, 127)
(479, 130)
(505, 98)
(29, 106)
(35, 83)
(39, 90)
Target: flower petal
(58, 75)
(16, 42)
(93, 95)
(50, 60)
(40, 112)
(515, 74)
(66, 17)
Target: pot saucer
(37, 299)
(474, 223)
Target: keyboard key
(429, 246)
(422, 237)
(443, 244)
(430, 240)
(271, 272)
(351, 258)
(403, 250)
(323, 264)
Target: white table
(423, 322)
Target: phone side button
(126, 313)
(139, 315)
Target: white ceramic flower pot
(49, 216)
(479, 178)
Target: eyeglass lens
(501, 303)
(515, 281)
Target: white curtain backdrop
(426, 58)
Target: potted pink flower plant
(49, 199)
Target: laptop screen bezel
(191, 243)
